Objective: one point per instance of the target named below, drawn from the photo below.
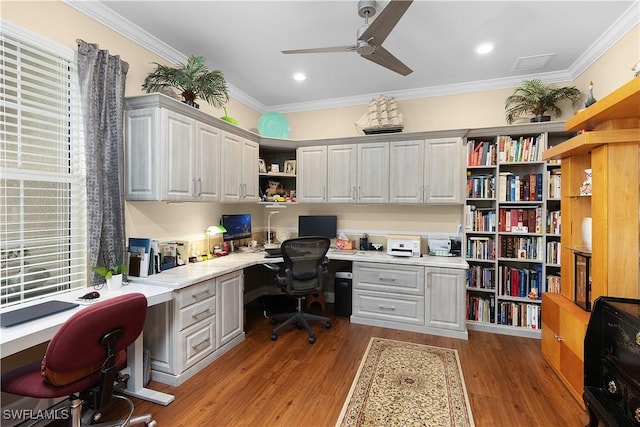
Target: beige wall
(59, 22)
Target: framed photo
(262, 166)
(290, 166)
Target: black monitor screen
(237, 226)
(318, 225)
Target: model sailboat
(382, 116)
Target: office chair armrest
(274, 267)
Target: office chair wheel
(151, 424)
(327, 324)
(274, 337)
(312, 339)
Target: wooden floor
(290, 382)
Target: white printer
(401, 245)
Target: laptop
(33, 312)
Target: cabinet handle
(353, 193)
(611, 387)
(557, 338)
(387, 279)
(196, 315)
(637, 415)
(386, 307)
(199, 294)
(199, 186)
(193, 193)
(196, 346)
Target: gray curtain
(102, 83)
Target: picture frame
(290, 167)
(262, 166)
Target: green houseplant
(193, 80)
(534, 96)
(112, 275)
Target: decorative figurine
(590, 99)
(585, 189)
(636, 69)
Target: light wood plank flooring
(290, 382)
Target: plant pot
(115, 282)
(192, 103)
(537, 119)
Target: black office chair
(304, 271)
(82, 362)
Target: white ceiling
(434, 38)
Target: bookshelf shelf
(508, 185)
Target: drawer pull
(386, 307)
(196, 346)
(638, 338)
(387, 279)
(196, 315)
(611, 386)
(199, 294)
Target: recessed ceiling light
(299, 77)
(484, 48)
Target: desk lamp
(212, 231)
(270, 245)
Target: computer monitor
(238, 227)
(318, 225)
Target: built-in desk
(21, 337)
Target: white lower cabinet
(410, 297)
(202, 322)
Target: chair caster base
(312, 339)
(327, 324)
(274, 337)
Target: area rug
(405, 384)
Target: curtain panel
(102, 84)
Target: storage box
(345, 245)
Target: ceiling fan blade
(322, 50)
(380, 28)
(382, 56)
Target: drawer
(406, 279)
(196, 312)
(195, 293)
(197, 341)
(390, 307)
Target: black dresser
(612, 363)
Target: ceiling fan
(371, 37)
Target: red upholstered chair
(82, 361)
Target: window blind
(43, 245)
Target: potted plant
(193, 79)
(112, 275)
(533, 96)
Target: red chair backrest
(75, 350)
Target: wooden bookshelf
(608, 142)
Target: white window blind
(43, 237)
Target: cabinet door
(249, 179)
(231, 167)
(142, 154)
(177, 175)
(445, 295)
(342, 173)
(311, 179)
(230, 289)
(206, 163)
(373, 173)
(443, 171)
(406, 163)
(159, 338)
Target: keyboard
(33, 312)
(273, 255)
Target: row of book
(480, 308)
(513, 188)
(481, 153)
(520, 282)
(482, 277)
(481, 187)
(523, 149)
(521, 247)
(555, 183)
(553, 252)
(553, 283)
(483, 248)
(523, 220)
(146, 256)
(479, 219)
(519, 314)
(553, 222)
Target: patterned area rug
(405, 384)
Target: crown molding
(123, 26)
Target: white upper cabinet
(311, 179)
(207, 162)
(406, 164)
(342, 164)
(443, 171)
(239, 169)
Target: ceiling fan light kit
(371, 36)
